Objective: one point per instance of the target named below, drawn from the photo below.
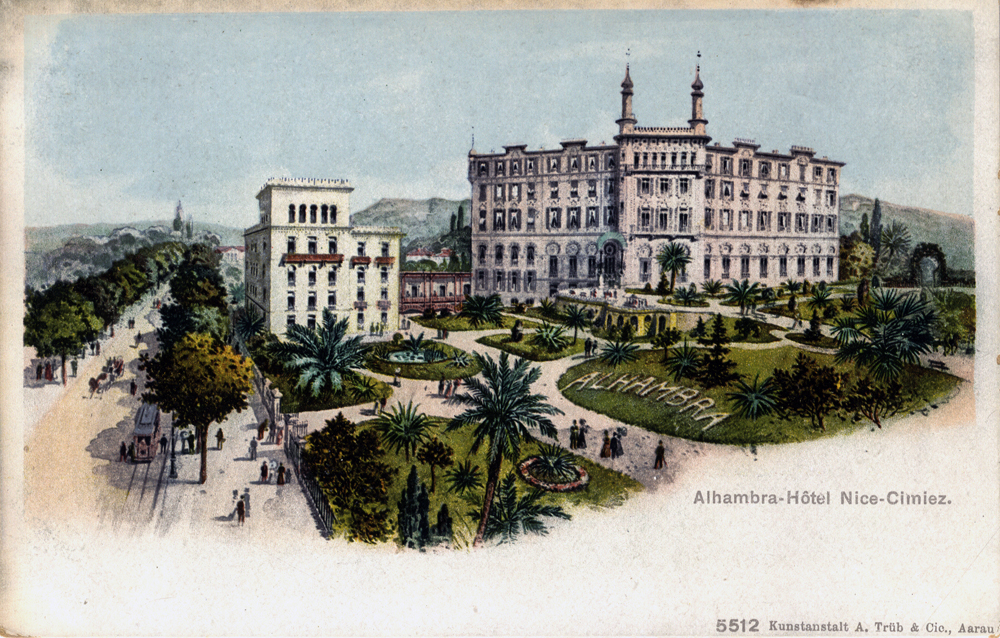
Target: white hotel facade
(551, 220)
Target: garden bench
(937, 365)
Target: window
(818, 197)
(673, 159)
(361, 275)
(312, 214)
(311, 246)
(817, 173)
(385, 249)
(763, 191)
(331, 300)
(782, 171)
(499, 168)
(498, 278)
(744, 267)
(609, 161)
(574, 189)
(709, 215)
(324, 214)
(302, 213)
(745, 222)
(817, 222)
(782, 266)
(802, 172)
(291, 245)
(645, 159)
(644, 185)
(572, 218)
(385, 275)
(481, 280)
(764, 170)
(515, 281)
(553, 190)
(684, 159)
(709, 189)
(361, 249)
(498, 192)
(531, 190)
(333, 214)
(515, 192)
(515, 167)
(683, 219)
(725, 267)
(291, 276)
(571, 262)
(816, 267)
(609, 216)
(783, 222)
(483, 169)
(635, 160)
(744, 168)
(831, 223)
(482, 192)
(482, 254)
(662, 219)
(800, 266)
(726, 166)
(643, 270)
(515, 219)
(331, 277)
(291, 213)
(553, 164)
(361, 320)
(498, 216)
(291, 301)
(783, 193)
(707, 272)
(498, 255)
(554, 218)
(745, 191)
(384, 294)
(529, 255)
(592, 221)
(829, 266)
(592, 186)
(384, 318)
(515, 254)
(311, 302)
(644, 219)
(312, 277)
(530, 221)
(611, 186)
(831, 176)
(553, 267)
(800, 223)
(727, 190)
(763, 267)
(482, 219)
(574, 164)
(763, 220)
(683, 184)
(831, 198)
(331, 245)
(664, 186)
(591, 266)
(530, 165)
(361, 294)
(529, 281)
(290, 320)
(725, 219)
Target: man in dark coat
(122, 452)
(658, 461)
(241, 511)
(253, 449)
(263, 472)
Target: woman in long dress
(606, 447)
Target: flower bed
(524, 469)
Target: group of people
(447, 388)
(612, 447)
(268, 469)
(589, 347)
(578, 435)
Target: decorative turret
(627, 120)
(697, 120)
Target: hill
(955, 234)
(425, 221)
(42, 239)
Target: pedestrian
(606, 446)
(281, 431)
(138, 339)
(441, 387)
(122, 452)
(132, 387)
(454, 389)
(658, 461)
(131, 451)
(246, 499)
(163, 444)
(184, 441)
(48, 370)
(574, 433)
(263, 472)
(262, 428)
(220, 438)
(586, 348)
(112, 331)
(72, 365)
(253, 449)
(38, 372)
(281, 474)
(581, 437)
(98, 348)
(270, 435)
(241, 511)
(447, 389)
(616, 446)
(192, 444)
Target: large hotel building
(572, 218)
(304, 255)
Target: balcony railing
(385, 261)
(360, 305)
(384, 304)
(360, 259)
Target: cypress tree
(461, 217)
(452, 223)
(414, 528)
(716, 368)
(864, 229)
(442, 531)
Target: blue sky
(127, 114)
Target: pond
(408, 356)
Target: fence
(293, 450)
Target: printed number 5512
(736, 625)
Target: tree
(550, 337)
(348, 466)
(887, 333)
(711, 287)
(864, 230)
(465, 477)
(809, 390)
(178, 220)
(190, 228)
(616, 353)
(875, 231)
(403, 429)
(663, 285)
(575, 318)
(666, 338)
(683, 361)
(753, 400)
(742, 293)
(791, 286)
(248, 325)
(699, 329)
(197, 284)
(503, 412)
(414, 523)
(820, 298)
(715, 368)
(876, 401)
(178, 321)
(480, 310)
(436, 454)
(201, 382)
(673, 258)
(60, 325)
(321, 357)
(813, 333)
(860, 260)
(895, 241)
(687, 296)
(452, 228)
(460, 224)
(513, 516)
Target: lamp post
(173, 450)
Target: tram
(146, 435)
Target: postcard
(605, 320)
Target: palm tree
(683, 361)
(848, 303)
(480, 310)
(503, 411)
(513, 516)
(887, 333)
(711, 287)
(415, 343)
(895, 240)
(615, 353)
(550, 337)
(361, 388)
(436, 454)
(321, 357)
(820, 298)
(742, 293)
(673, 258)
(248, 325)
(576, 318)
(792, 286)
(464, 478)
(403, 429)
(754, 400)
(687, 296)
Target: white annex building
(551, 220)
(304, 256)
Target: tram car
(147, 433)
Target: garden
(547, 343)
(419, 358)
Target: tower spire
(627, 120)
(697, 120)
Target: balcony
(360, 305)
(385, 261)
(360, 259)
(296, 258)
(384, 304)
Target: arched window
(312, 214)
(333, 214)
(291, 213)
(324, 214)
(302, 214)
(499, 254)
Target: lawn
(926, 386)
(765, 335)
(528, 350)
(295, 400)
(670, 301)
(607, 488)
(823, 341)
(805, 313)
(457, 323)
(536, 312)
(444, 369)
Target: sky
(127, 114)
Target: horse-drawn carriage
(146, 433)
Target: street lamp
(173, 450)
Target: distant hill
(41, 239)
(955, 234)
(425, 221)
